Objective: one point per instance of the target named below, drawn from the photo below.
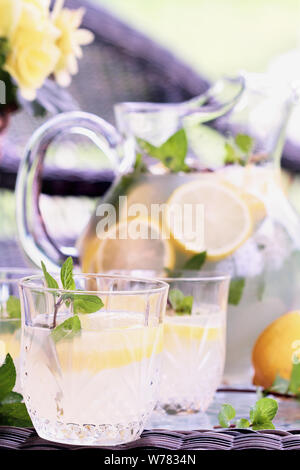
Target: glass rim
(209, 276)
(7, 271)
(28, 282)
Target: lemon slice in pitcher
(133, 244)
(227, 221)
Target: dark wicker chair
(121, 65)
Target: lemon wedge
(187, 329)
(119, 249)
(227, 218)
(110, 342)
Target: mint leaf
(230, 154)
(226, 414)
(86, 303)
(12, 397)
(7, 377)
(244, 142)
(263, 412)
(236, 290)
(242, 423)
(196, 262)
(50, 281)
(180, 303)
(13, 307)
(67, 329)
(294, 385)
(279, 385)
(263, 425)
(66, 274)
(171, 153)
(15, 414)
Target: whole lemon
(275, 349)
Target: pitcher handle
(33, 236)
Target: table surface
(192, 432)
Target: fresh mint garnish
(279, 385)
(12, 411)
(226, 414)
(196, 262)
(50, 281)
(236, 289)
(13, 307)
(86, 303)
(181, 304)
(67, 329)
(242, 423)
(244, 142)
(171, 153)
(66, 275)
(7, 377)
(238, 150)
(287, 387)
(82, 303)
(261, 415)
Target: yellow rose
(34, 53)
(69, 42)
(10, 11)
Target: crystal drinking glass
(92, 378)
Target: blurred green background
(217, 36)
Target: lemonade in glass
(92, 379)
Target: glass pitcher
(211, 165)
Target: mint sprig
(287, 387)
(181, 304)
(81, 303)
(239, 149)
(13, 307)
(171, 153)
(12, 411)
(261, 415)
(195, 262)
(236, 289)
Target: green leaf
(171, 153)
(66, 274)
(67, 329)
(294, 385)
(263, 425)
(226, 414)
(12, 397)
(50, 281)
(86, 303)
(230, 154)
(244, 142)
(263, 411)
(196, 262)
(236, 290)
(242, 423)
(279, 385)
(15, 414)
(7, 377)
(180, 303)
(13, 307)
